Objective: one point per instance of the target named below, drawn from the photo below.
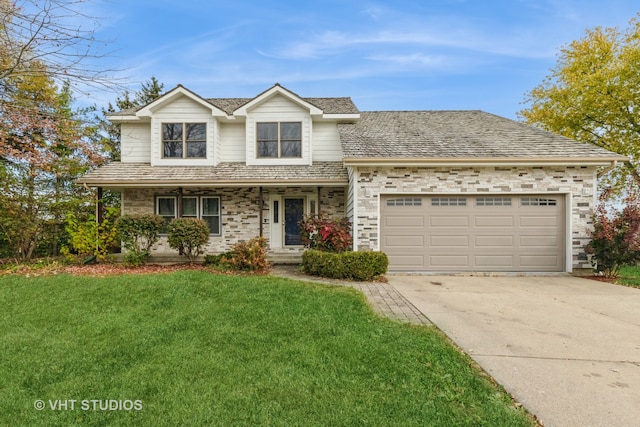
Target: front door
(293, 213)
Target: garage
(484, 233)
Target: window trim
(185, 142)
(199, 209)
(278, 141)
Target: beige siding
(232, 144)
(278, 109)
(136, 142)
(326, 142)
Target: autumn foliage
(615, 240)
(324, 233)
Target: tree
(593, 95)
(52, 38)
(44, 146)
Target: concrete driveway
(567, 348)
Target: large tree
(593, 95)
(44, 142)
(43, 149)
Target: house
(437, 191)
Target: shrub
(615, 240)
(326, 234)
(91, 238)
(360, 266)
(138, 234)
(248, 256)
(188, 236)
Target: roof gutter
(115, 183)
(485, 161)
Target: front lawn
(193, 348)
(629, 276)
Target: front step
(284, 258)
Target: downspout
(260, 209)
(607, 169)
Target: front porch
(239, 214)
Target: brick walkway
(383, 297)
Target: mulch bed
(107, 269)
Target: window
(277, 140)
(405, 201)
(210, 212)
(536, 201)
(493, 201)
(204, 207)
(166, 207)
(448, 201)
(184, 140)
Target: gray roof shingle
(141, 174)
(455, 134)
(343, 105)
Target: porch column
(179, 202)
(99, 206)
(260, 209)
(319, 205)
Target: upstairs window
(278, 140)
(184, 140)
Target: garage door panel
(494, 241)
(494, 221)
(539, 261)
(449, 241)
(405, 241)
(539, 221)
(550, 241)
(494, 261)
(407, 261)
(404, 221)
(449, 261)
(449, 221)
(474, 233)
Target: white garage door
(473, 233)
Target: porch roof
(118, 175)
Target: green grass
(202, 349)
(629, 276)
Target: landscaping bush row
(361, 266)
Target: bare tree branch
(54, 38)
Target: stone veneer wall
(579, 182)
(240, 214)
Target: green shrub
(248, 256)
(138, 234)
(91, 238)
(326, 234)
(360, 266)
(188, 236)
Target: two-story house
(435, 190)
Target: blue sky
(385, 55)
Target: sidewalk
(384, 298)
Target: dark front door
(293, 212)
